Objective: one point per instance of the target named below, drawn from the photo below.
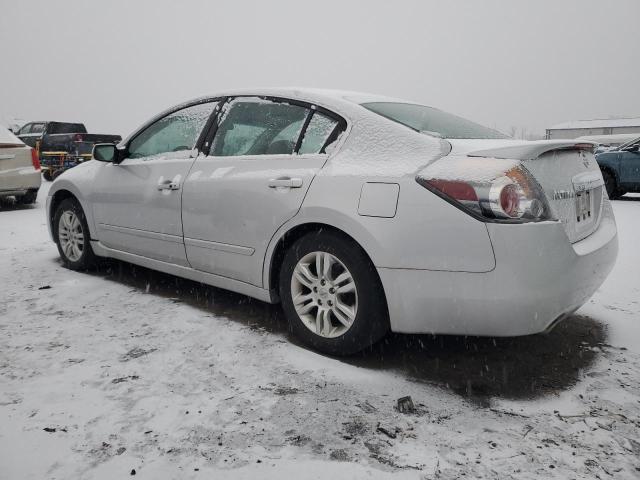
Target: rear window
(431, 120)
(56, 127)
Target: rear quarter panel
(16, 169)
(425, 233)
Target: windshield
(431, 120)
(628, 144)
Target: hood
(512, 149)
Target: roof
(598, 123)
(346, 103)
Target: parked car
(19, 169)
(360, 214)
(621, 168)
(61, 145)
(608, 142)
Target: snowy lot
(126, 369)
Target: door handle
(285, 182)
(168, 185)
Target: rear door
(137, 202)
(262, 159)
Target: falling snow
(124, 369)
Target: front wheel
(72, 235)
(332, 295)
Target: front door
(630, 167)
(262, 160)
(31, 133)
(137, 203)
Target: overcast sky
(113, 64)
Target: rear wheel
(28, 198)
(72, 235)
(331, 294)
(610, 184)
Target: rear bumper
(539, 278)
(19, 181)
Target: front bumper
(539, 278)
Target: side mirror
(105, 152)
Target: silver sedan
(360, 214)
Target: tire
(363, 311)
(75, 250)
(46, 174)
(56, 174)
(610, 184)
(28, 198)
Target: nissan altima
(360, 214)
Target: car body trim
(142, 233)
(184, 272)
(224, 247)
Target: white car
(360, 214)
(19, 169)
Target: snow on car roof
(317, 95)
(9, 138)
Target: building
(605, 126)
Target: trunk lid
(566, 171)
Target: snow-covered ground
(124, 369)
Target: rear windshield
(431, 120)
(56, 127)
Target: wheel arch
(56, 198)
(611, 170)
(275, 254)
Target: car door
(137, 202)
(262, 159)
(31, 133)
(630, 166)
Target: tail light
(34, 159)
(501, 191)
(77, 137)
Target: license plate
(584, 207)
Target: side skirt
(185, 272)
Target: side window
(37, 128)
(254, 126)
(176, 132)
(25, 129)
(317, 133)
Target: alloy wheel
(71, 235)
(324, 294)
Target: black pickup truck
(61, 145)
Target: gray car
(359, 213)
